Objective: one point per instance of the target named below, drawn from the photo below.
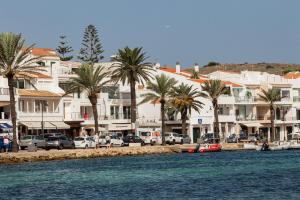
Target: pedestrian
(6, 143)
(96, 138)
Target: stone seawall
(42, 155)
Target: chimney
(177, 67)
(196, 67)
(157, 65)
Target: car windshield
(79, 139)
(145, 133)
(27, 137)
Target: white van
(150, 137)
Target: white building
(72, 114)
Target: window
(39, 104)
(298, 114)
(221, 110)
(41, 63)
(113, 91)
(114, 112)
(285, 93)
(126, 112)
(21, 105)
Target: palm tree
(16, 62)
(213, 89)
(270, 96)
(89, 79)
(184, 99)
(195, 74)
(131, 68)
(160, 90)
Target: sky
(188, 31)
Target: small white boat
(250, 146)
(280, 146)
(294, 145)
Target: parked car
(132, 139)
(243, 136)
(252, 138)
(2, 144)
(27, 140)
(185, 139)
(151, 137)
(232, 139)
(113, 140)
(59, 142)
(84, 142)
(209, 138)
(173, 138)
(52, 135)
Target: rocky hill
(273, 68)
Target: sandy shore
(42, 155)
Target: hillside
(273, 68)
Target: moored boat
(210, 148)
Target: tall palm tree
(131, 68)
(90, 80)
(270, 96)
(184, 99)
(213, 89)
(159, 92)
(16, 61)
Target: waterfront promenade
(41, 155)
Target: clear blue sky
(189, 31)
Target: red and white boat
(210, 148)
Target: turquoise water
(223, 175)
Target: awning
(60, 125)
(119, 127)
(5, 126)
(93, 127)
(47, 125)
(252, 124)
(4, 103)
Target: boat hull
(210, 148)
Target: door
(196, 134)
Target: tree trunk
(183, 119)
(93, 101)
(162, 113)
(272, 124)
(133, 103)
(216, 116)
(15, 147)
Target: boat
(189, 148)
(251, 146)
(210, 148)
(294, 145)
(280, 146)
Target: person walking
(6, 143)
(96, 138)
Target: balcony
(77, 116)
(296, 99)
(253, 118)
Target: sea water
(222, 175)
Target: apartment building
(44, 103)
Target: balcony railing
(296, 99)
(80, 116)
(4, 91)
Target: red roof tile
(44, 52)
